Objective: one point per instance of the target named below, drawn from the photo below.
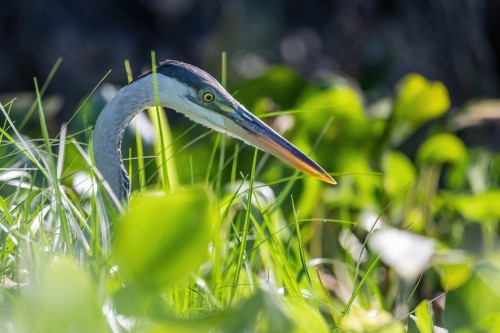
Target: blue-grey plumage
(191, 91)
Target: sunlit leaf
(399, 172)
(419, 100)
(445, 148)
(63, 300)
(424, 317)
(480, 207)
(305, 318)
(310, 196)
(412, 326)
(345, 146)
(454, 269)
(359, 188)
(415, 219)
(442, 148)
(476, 304)
(492, 323)
(280, 85)
(343, 103)
(164, 238)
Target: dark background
(374, 42)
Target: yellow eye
(208, 97)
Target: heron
(194, 93)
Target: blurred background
(398, 99)
(373, 42)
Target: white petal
(408, 253)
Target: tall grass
(45, 220)
(230, 255)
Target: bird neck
(114, 118)
(109, 129)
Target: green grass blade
(222, 137)
(234, 164)
(301, 249)
(81, 105)
(358, 289)
(211, 160)
(138, 140)
(59, 207)
(42, 92)
(165, 147)
(327, 298)
(246, 226)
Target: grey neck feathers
(109, 129)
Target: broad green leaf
(399, 172)
(442, 148)
(342, 102)
(164, 238)
(310, 196)
(306, 319)
(346, 144)
(481, 207)
(476, 304)
(412, 326)
(279, 86)
(424, 317)
(492, 323)
(454, 270)
(63, 300)
(445, 148)
(359, 189)
(419, 100)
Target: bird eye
(208, 97)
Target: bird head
(193, 92)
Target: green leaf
(342, 102)
(306, 319)
(442, 148)
(481, 207)
(475, 305)
(164, 238)
(418, 101)
(63, 300)
(453, 270)
(278, 86)
(399, 172)
(424, 317)
(445, 148)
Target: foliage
(257, 247)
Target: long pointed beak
(253, 131)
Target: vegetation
(218, 237)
